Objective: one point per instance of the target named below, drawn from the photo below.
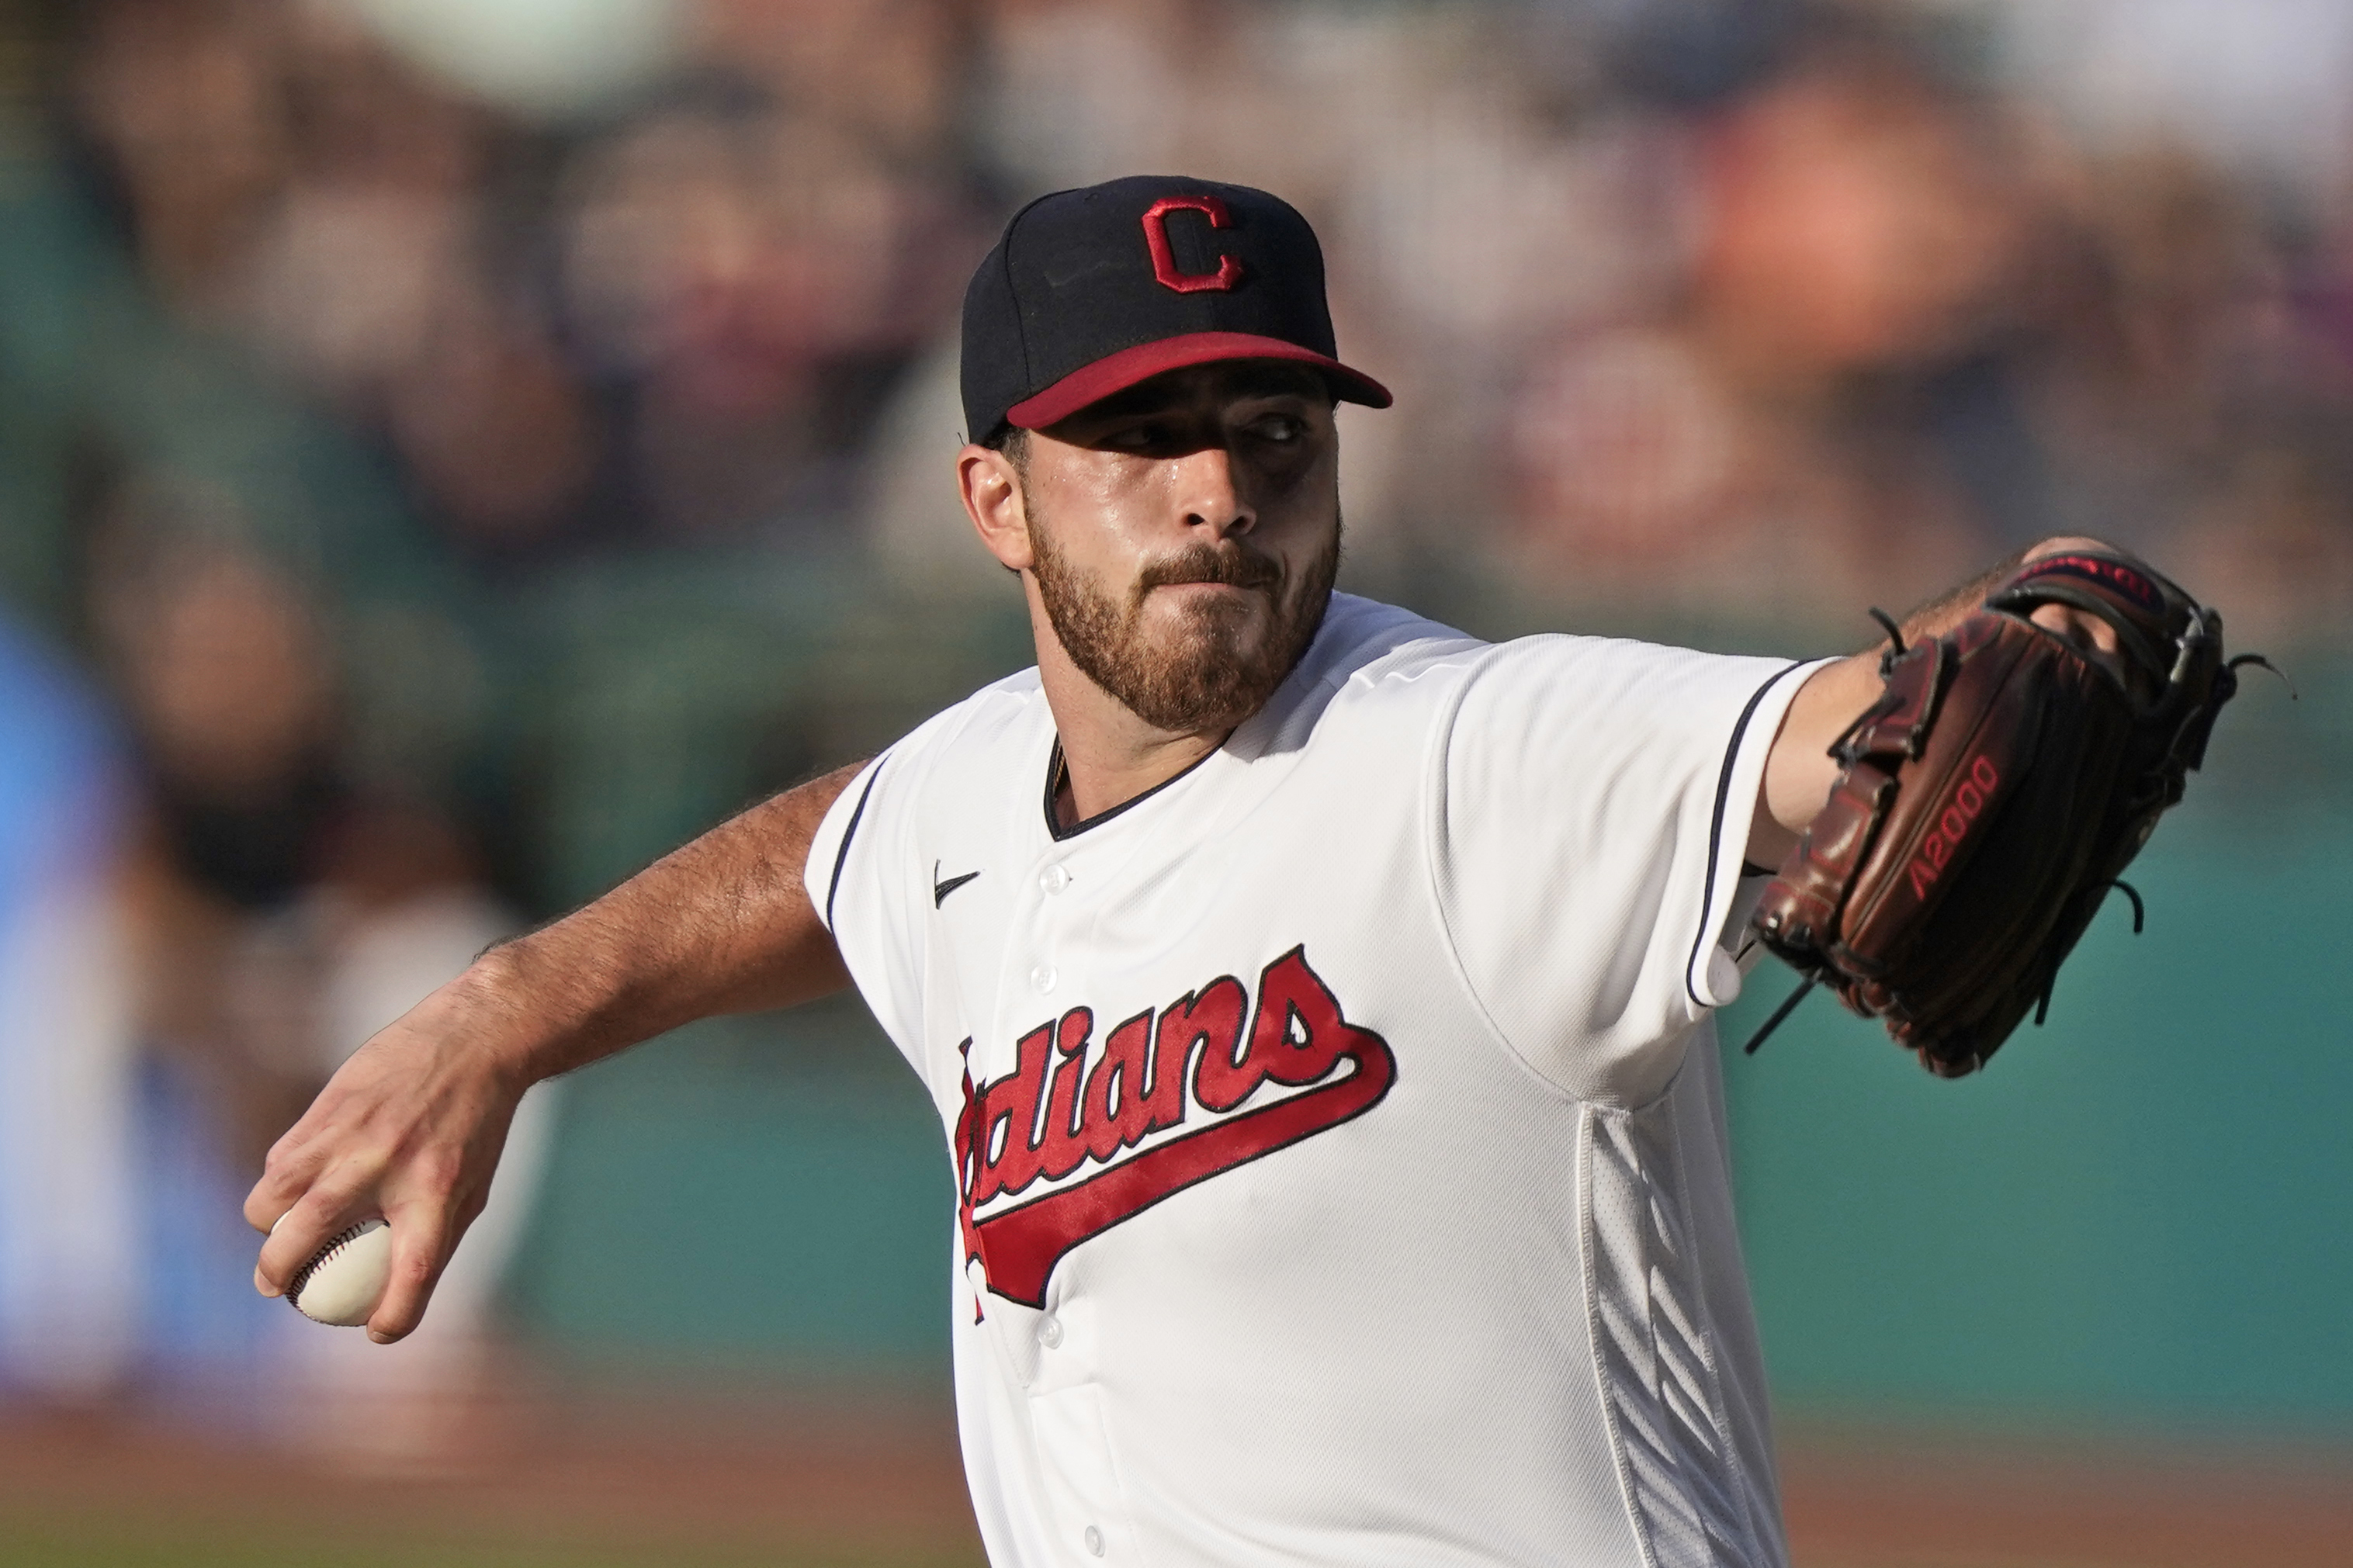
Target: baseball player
(1316, 1000)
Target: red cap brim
(1117, 373)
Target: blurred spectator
(1688, 304)
(73, 1307)
(890, 72)
(747, 280)
(227, 677)
(289, 915)
(2262, 89)
(2192, 403)
(431, 1403)
(1784, 430)
(185, 98)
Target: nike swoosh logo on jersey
(940, 890)
(1149, 1071)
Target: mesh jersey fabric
(1339, 1129)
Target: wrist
(522, 1010)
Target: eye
(1280, 429)
(1147, 437)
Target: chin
(1184, 658)
(1220, 623)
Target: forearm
(721, 925)
(411, 1126)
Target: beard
(1210, 672)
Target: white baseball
(345, 1279)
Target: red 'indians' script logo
(1054, 1112)
(1967, 803)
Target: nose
(1209, 496)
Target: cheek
(1299, 502)
(1100, 528)
(1309, 477)
(1307, 548)
(1099, 584)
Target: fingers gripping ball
(345, 1279)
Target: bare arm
(1799, 771)
(411, 1126)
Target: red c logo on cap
(1164, 260)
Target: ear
(993, 500)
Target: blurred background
(452, 451)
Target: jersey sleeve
(1593, 799)
(860, 879)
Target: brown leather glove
(1990, 798)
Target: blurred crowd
(450, 454)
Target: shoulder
(1363, 639)
(964, 752)
(1597, 673)
(1369, 647)
(1004, 716)
(1369, 670)
(1373, 647)
(955, 772)
(1380, 658)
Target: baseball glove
(1990, 798)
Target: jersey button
(1049, 1331)
(1094, 1542)
(1054, 878)
(1042, 977)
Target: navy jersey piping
(1054, 774)
(1715, 827)
(841, 856)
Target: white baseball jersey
(1337, 1128)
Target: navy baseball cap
(1092, 291)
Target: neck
(1109, 755)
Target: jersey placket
(1057, 912)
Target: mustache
(1235, 567)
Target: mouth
(1210, 586)
(1202, 601)
(1212, 571)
